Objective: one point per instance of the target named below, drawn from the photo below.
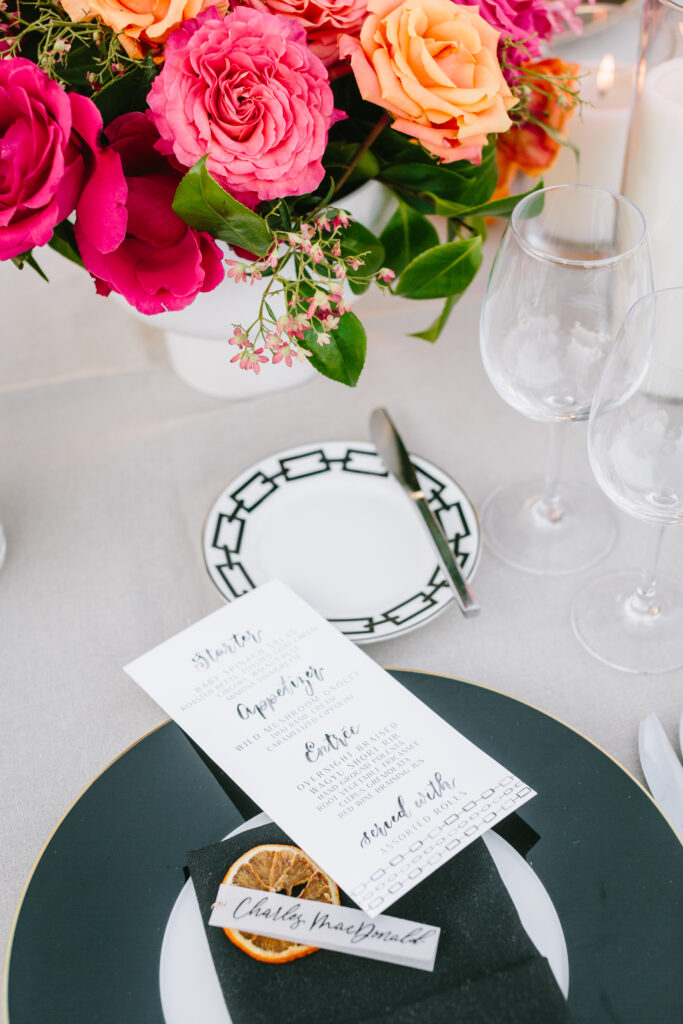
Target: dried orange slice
(288, 870)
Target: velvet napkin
(487, 969)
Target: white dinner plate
(328, 520)
(189, 985)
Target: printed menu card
(372, 784)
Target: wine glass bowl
(634, 620)
(573, 260)
(636, 434)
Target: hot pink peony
(247, 91)
(51, 162)
(323, 20)
(527, 22)
(161, 263)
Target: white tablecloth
(108, 465)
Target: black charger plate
(88, 933)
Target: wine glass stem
(550, 505)
(643, 599)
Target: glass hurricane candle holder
(654, 155)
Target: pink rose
(51, 162)
(247, 91)
(161, 263)
(323, 20)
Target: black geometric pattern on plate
(238, 504)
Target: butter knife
(662, 769)
(397, 460)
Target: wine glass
(573, 260)
(631, 620)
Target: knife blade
(397, 460)
(662, 770)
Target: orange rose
(433, 65)
(528, 147)
(139, 24)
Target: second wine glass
(628, 619)
(573, 260)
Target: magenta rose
(161, 263)
(525, 21)
(529, 23)
(324, 21)
(51, 162)
(246, 91)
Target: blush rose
(51, 162)
(161, 263)
(246, 91)
(324, 21)
(433, 65)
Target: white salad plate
(330, 522)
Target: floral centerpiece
(137, 135)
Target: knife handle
(446, 558)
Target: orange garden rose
(433, 65)
(324, 21)
(528, 147)
(140, 24)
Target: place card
(327, 926)
(372, 784)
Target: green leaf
(406, 235)
(442, 271)
(463, 184)
(27, 259)
(534, 208)
(324, 197)
(127, 93)
(445, 208)
(342, 360)
(477, 224)
(339, 155)
(357, 240)
(63, 241)
(204, 205)
(503, 207)
(432, 332)
(285, 216)
(420, 203)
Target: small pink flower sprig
(46, 27)
(308, 268)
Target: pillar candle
(654, 179)
(598, 131)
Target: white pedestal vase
(197, 337)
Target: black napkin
(487, 969)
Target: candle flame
(606, 73)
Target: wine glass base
(609, 627)
(518, 532)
